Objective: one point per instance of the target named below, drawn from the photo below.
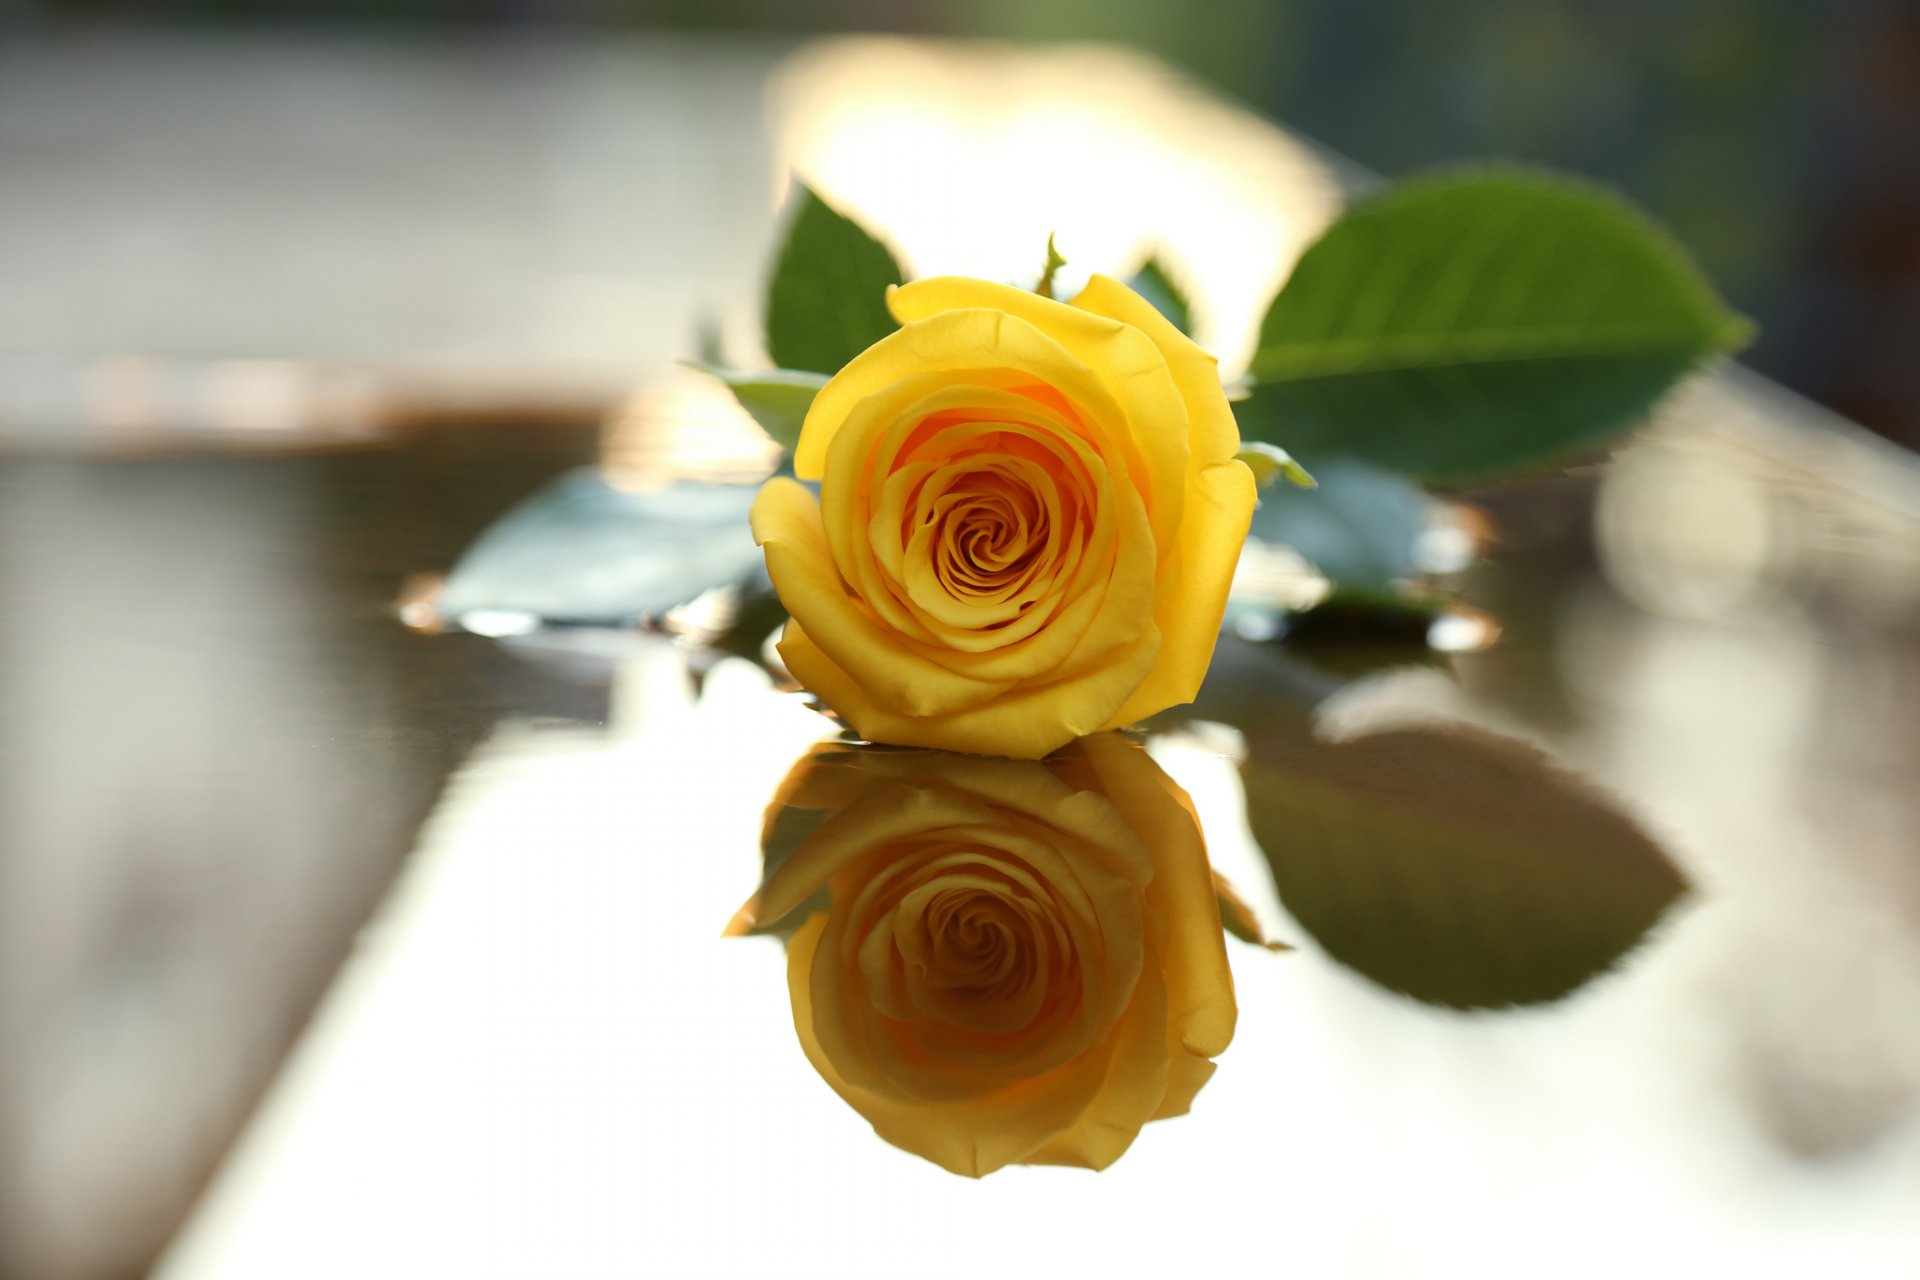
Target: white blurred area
(544, 1061)
(973, 155)
(240, 239)
(1751, 500)
(248, 242)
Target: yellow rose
(1029, 515)
(999, 961)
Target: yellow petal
(982, 621)
(1187, 1074)
(1110, 601)
(1192, 595)
(1131, 365)
(865, 449)
(1104, 605)
(1024, 723)
(1213, 435)
(899, 498)
(970, 346)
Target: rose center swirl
(992, 531)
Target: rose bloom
(999, 961)
(1029, 515)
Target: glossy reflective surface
(1661, 798)
(218, 744)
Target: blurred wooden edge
(144, 406)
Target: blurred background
(1777, 138)
(297, 299)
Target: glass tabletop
(364, 946)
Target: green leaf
(778, 399)
(827, 299)
(1268, 462)
(1054, 263)
(1154, 284)
(1360, 526)
(1478, 321)
(1456, 867)
(582, 551)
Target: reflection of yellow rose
(1029, 514)
(1001, 961)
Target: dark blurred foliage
(1780, 139)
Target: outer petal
(1213, 435)
(1025, 723)
(959, 346)
(1220, 500)
(1192, 595)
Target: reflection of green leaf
(1350, 638)
(1154, 284)
(1359, 527)
(581, 551)
(1238, 919)
(778, 399)
(787, 828)
(1456, 867)
(1477, 321)
(827, 300)
(1256, 687)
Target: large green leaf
(1453, 866)
(778, 399)
(1154, 284)
(1476, 321)
(827, 299)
